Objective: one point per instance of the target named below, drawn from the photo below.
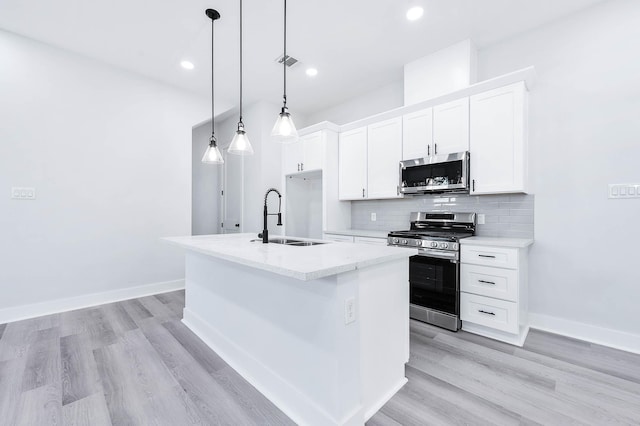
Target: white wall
(382, 99)
(109, 154)
(585, 133)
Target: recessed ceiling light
(312, 72)
(187, 65)
(415, 13)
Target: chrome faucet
(265, 231)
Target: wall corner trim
(616, 339)
(18, 313)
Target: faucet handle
(260, 235)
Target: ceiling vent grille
(291, 61)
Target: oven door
(434, 283)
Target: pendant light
(240, 144)
(212, 155)
(284, 130)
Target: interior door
(233, 193)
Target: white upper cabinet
(498, 140)
(417, 134)
(352, 159)
(384, 149)
(303, 155)
(311, 151)
(451, 127)
(291, 157)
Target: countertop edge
(497, 242)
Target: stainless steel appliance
(434, 273)
(438, 173)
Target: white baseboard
(18, 313)
(602, 336)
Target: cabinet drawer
(489, 256)
(492, 282)
(497, 314)
(371, 240)
(338, 238)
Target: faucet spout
(266, 214)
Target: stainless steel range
(434, 274)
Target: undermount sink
(291, 242)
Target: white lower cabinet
(493, 292)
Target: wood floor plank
(88, 411)
(244, 405)
(381, 419)
(40, 406)
(159, 310)
(10, 387)
(136, 310)
(208, 359)
(43, 361)
(118, 318)
(79, 373)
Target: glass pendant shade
(240, 144)
(284, 130)
(212, 155)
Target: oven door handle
(438, 254)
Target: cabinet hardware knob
(473, 185)
(485, 312)
(362, 192)
(435, 149)
(428, 149)
(301, 167)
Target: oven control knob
(434, 244)
(418, 242)
(444, 245)
(395, 241)
(404, 242)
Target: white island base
(294, 340)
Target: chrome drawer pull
(486, 282)
(485, 312)
(486, 255)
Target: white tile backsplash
(509, 215)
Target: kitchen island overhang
(322, 331)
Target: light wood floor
(134, 363)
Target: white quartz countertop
(304, 263)
(497, 242)
(358, 233)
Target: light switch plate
(23, 193)
(349, 310)
(481, 219)
(373, 217)
(624, 190)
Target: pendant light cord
(240, 122)
(284, 59)
(213, 115)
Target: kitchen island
(322, 331)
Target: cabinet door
(352, 164)
(291, 157)
(384, 150)
(498, 140)
(451, 127)
(417, 134)
(311, 151)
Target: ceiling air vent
(291, 61)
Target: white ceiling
(357, 45)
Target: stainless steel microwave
(435, 174)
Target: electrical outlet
(624, 190)
(481, 218)
(349, 310)
(19, 193)
(373, 217)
